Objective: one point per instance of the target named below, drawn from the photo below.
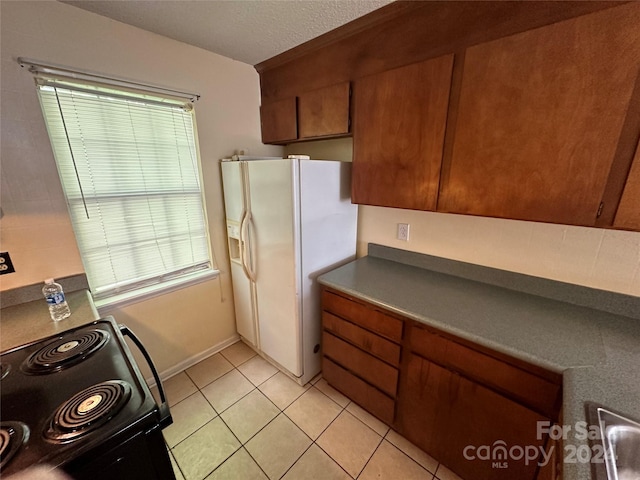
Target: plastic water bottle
(58, 307)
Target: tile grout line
(193, 433)
(201, 426)
(241, 447)
(369, 459)
(314, 442)
(265, 380)
(254, 461)
(241, 363)
(175, 461)
(297, 460)
(343, 409)
(411, 458)
(239, 399)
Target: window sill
(105, 305)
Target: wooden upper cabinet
(316, 114)
(324, 112)
(539, 119)
(399, 125)
(628, 215)
(279, 121)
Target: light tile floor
(238, 417)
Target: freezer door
(243, 301)
(244, 291)
(274, 233)
(233, 191)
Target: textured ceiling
(246, 30)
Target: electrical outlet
(403, 232)
(6, 265)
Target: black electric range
(78, 402)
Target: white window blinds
(130, 172)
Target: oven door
(143, 457)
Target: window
(129, 167)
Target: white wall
(36, 228)
(605, 259)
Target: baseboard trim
(191, 361)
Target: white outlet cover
(403, 232)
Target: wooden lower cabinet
(448, 396)
(552, 469)
(461, 423)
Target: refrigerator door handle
(244, 175)
(251, 256)
(246, 243)
(243, 243)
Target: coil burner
(65, 352)
(12, 436)
(87, 410)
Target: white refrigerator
(288, 221)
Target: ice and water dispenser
(233, 236)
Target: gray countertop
(598, 352)
(30, 321)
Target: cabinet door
(399, 124)
(628, 214)
(444, 414)
(539, 119)
(324, 112)
(551, 470)
(279, 121)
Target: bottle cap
(49, 280)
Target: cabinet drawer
(369, 368)
(370, 342)
(359, 391)
(364, 316)
(529, 389)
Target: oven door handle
(165, 415)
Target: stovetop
(70, 394)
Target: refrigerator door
(244, 290)
(274, 232)
(328, 223)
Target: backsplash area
(598, 258)
(606, 301)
